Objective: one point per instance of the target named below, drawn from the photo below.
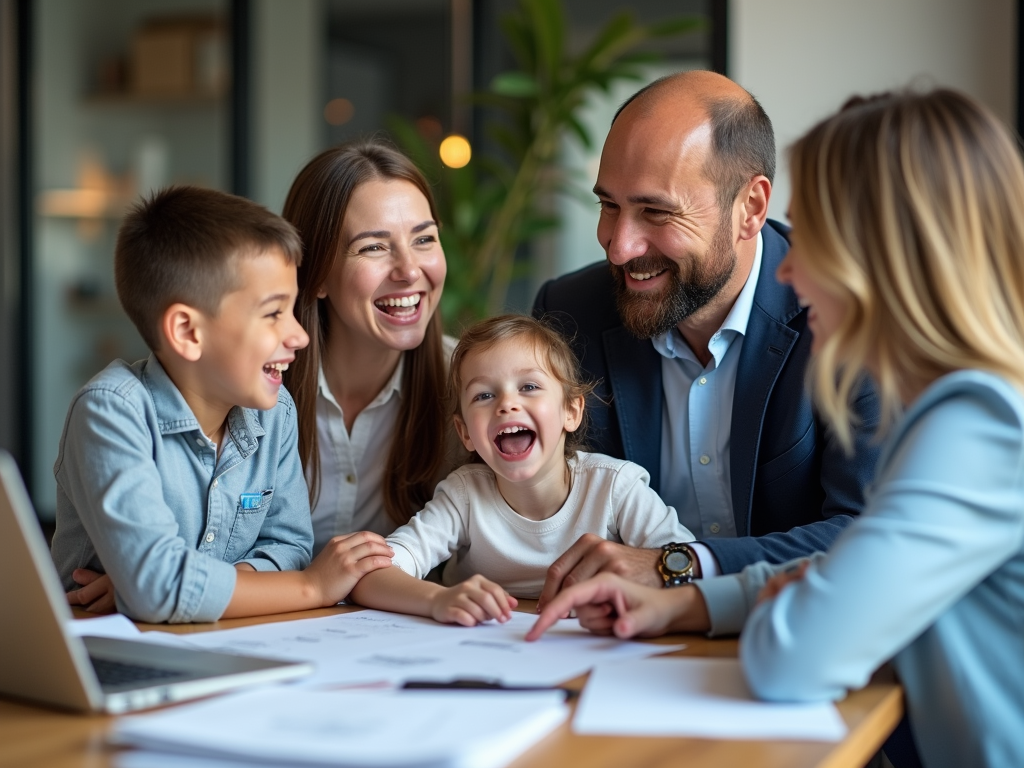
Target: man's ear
(182, 329)
(463, 432)
(753, 207)
(573, 414)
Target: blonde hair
(553, 351)
(909, 208)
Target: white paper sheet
(371, 646)
(288, 726)
(701, 698)
(115, 625)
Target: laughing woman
(908, 250)
(373, 432)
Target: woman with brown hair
(370, 388)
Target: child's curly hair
(553, 350)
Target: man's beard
(651, 313)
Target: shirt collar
(393, 387)
(174, 414)
(671, 344)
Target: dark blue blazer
(793, 488)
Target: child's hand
(344, 561)
(776, 583)
(96, 594)
(472, 602)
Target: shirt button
(350, 479)
(215, 483)
(210, 537)
(703, 380)
(200, 442)
(715, 527)
(705, 459)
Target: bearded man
(699, 352)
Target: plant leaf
(515, 83)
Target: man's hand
(344, 561)
(610, 605)
(96, 594)
(591, 555)
(472, 602)
(776, 583)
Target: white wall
(803, 58)
(288, 56)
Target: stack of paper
(374, 646)
(701, 698)
(290, 726)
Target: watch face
(677, 562)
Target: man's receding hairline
(647, 98)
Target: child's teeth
(511, 430)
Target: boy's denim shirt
(142, 496)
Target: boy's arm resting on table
(327, 581)
(106, 472)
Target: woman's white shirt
(352, 466)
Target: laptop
(41, 660)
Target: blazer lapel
(634, 373)
(766, 347)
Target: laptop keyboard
(118, 673)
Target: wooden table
(43, 738)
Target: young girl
(519, 408)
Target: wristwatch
(676, 564)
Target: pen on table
(482, 685)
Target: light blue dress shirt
(696, 419)
(930, 575)
(143, 496)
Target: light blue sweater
(930, 576)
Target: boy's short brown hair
(179, 246)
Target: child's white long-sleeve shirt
(469, 522)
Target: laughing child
(528, 495)
(179, 486)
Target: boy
(177, 475)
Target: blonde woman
(908, 247)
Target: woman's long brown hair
(316, 207)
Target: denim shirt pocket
(250, 512)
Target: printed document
(377, 646)
(395, 729)
(701, 698)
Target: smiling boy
(178, 477)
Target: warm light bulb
(455, 151)
(339, 111)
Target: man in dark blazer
(699, 353)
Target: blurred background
(105, 100)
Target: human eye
(530, 387)
(425, 240)
(372, 248)
(481, 397)
(657, 215)
(607, 206)
(275, 315)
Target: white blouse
(352, 466)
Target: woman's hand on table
(610, 605)
(96, 594)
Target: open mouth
(399, 306)
(515, 441)
(274, 370)
(641, 276)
